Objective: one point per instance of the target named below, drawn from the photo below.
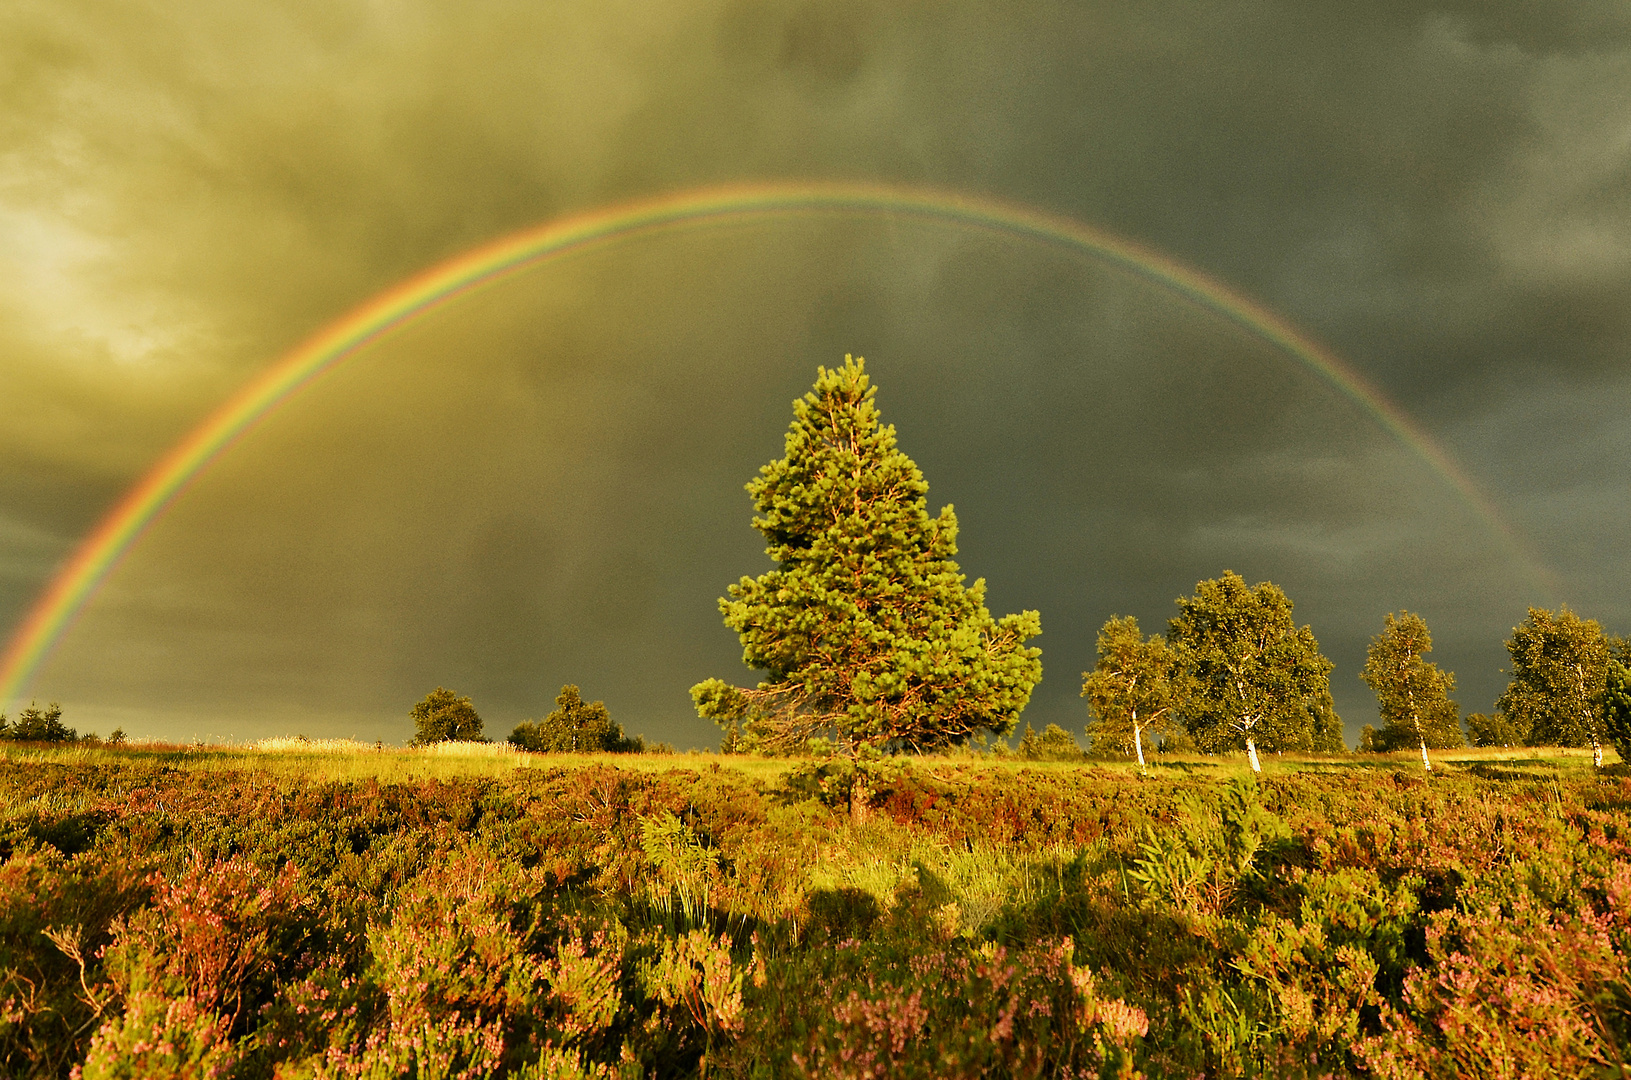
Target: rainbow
(77, 581)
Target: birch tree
(1131, 689)
(1252, 675)
(1559, 670)
(1412, 695)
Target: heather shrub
(194, 969)
(460, 957)
(898, 1006)
(55, 914)
(1518, 982)
(161, 914)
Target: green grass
(344, 760)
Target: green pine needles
(865, 630)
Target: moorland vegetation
(209, 913)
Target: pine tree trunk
(1251, 754)
(1425, 764)
(860, 794)
(1138, 745)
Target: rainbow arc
(485, 266)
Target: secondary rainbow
(77, 581)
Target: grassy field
(334, 760)
(338, 909)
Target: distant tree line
(1233, 672)
(1206, 683)
(576, 726)
(870, 641)
(37, 725)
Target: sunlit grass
(881, 858)
(338, 760)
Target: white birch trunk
(1425, 764)
(1138, 745)
(1596, 753)
(1251, 754)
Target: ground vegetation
(188, 912)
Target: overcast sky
(544, 485)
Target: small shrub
(1054, 744)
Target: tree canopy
(576, 726)
(1254, 677)
(865, 629)
(1559, 671)
(1132, 689)
(1412, 695)
(444, 716)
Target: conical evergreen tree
(865, 630)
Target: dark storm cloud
(1439, 191)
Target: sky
(542, 484)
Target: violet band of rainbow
(99, 552)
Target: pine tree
(444, 716)
(1412, 695)
(865, 630)
(1559, 669)
(35, 724)
(1254, 675)
(1132, 689)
